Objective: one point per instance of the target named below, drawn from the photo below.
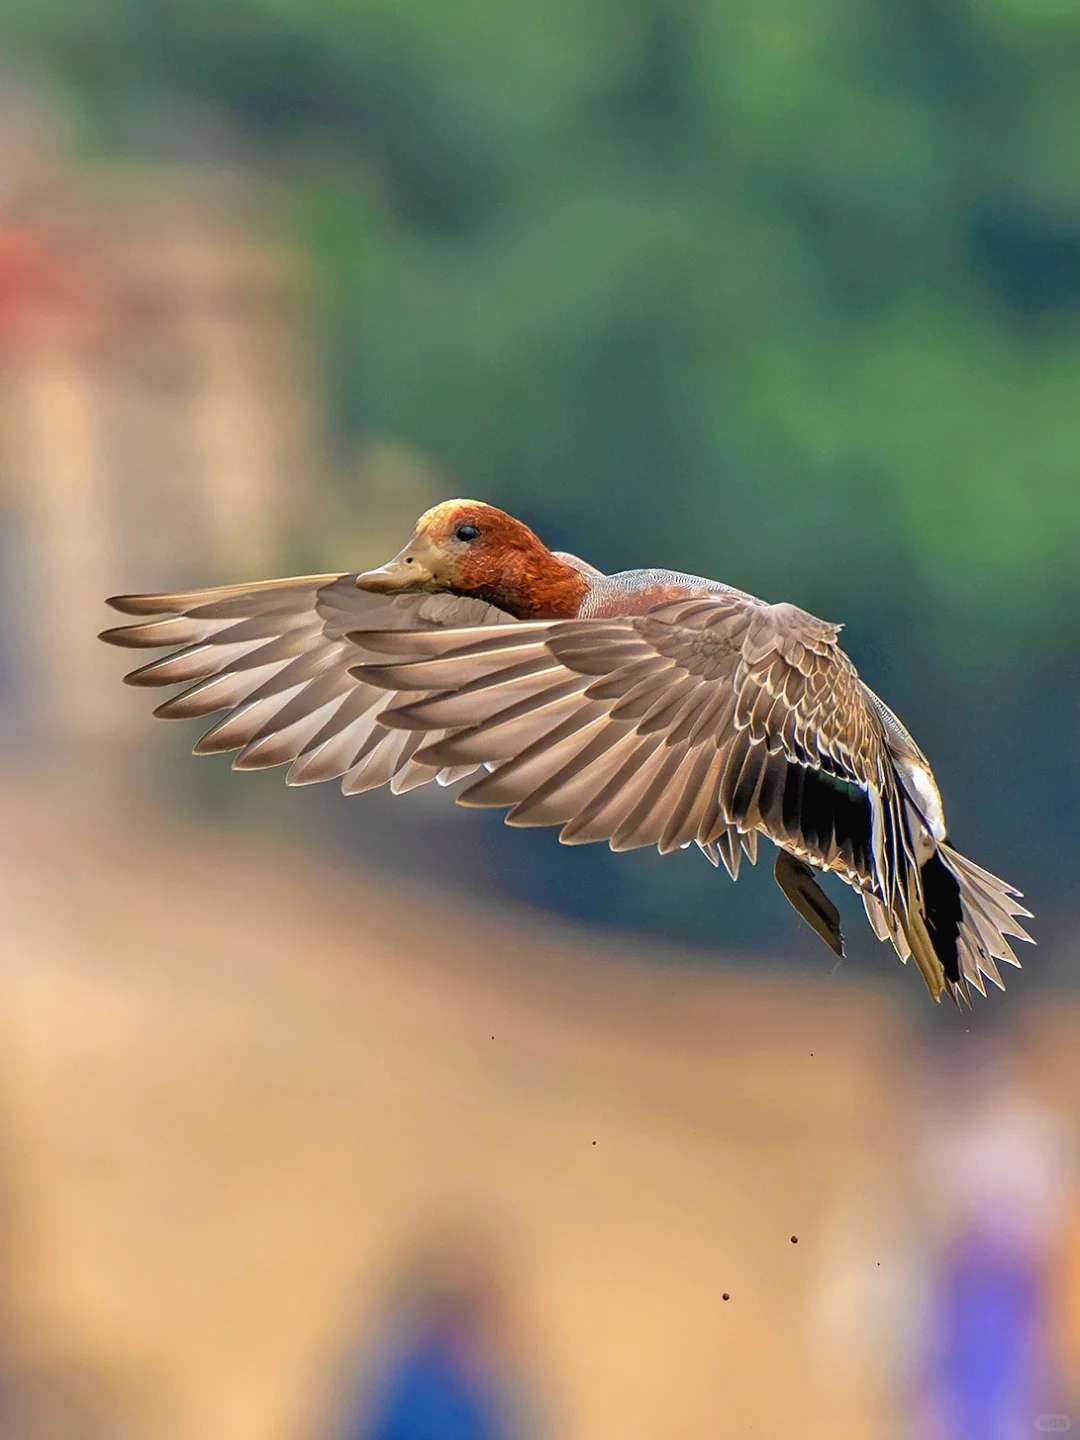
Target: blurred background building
(787, 296)
(153, 409)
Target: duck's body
(644, 708)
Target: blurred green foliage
(782, 291)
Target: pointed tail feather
(990, 914)
(956, 923)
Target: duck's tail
(956, 920)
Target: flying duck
(643, 708)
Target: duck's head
(464, 547)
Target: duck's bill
(410, 572)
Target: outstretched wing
(663, 729)
(713, 719)
(275, 658)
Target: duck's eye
(467, 533)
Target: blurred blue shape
(450, 1368)
(992, 1325)
(431, 1392)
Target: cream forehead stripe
(447, 507)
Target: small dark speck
(811, 1054)
(493, 1037)
(794, 1239)
(594, 1142)
(725, 1296)
(879, 1264)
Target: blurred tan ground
(233, 1079)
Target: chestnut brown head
(465, 547)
